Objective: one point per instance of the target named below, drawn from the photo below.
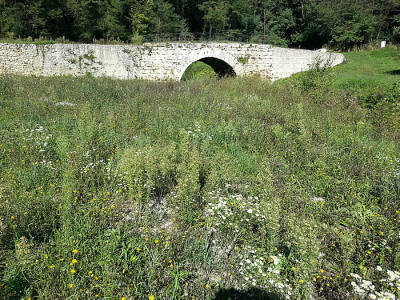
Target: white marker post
(383, 44)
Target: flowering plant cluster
(264, 271)
(38, 140)
(197, 133)
(383, 289)
(38, 137)
(234, 212)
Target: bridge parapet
(162, 61)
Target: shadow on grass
(394, 72)
(251, 294)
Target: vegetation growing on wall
(305, 23)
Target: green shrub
(317, 81)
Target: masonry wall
(166, 61)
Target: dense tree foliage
(341, 24)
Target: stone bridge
(163, 61)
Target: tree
(354, 31)
(215, 15)
(246, 21)
(114, 22)
(33, 18)
(341, 25)
(304, 23)
(155, 18)
(12, 21)
(86, 14)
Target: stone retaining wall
(164, 61)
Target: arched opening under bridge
(208, 67)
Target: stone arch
(220, 66)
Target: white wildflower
(356, 276)
(275, 260)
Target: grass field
(202, 189)
(368, 70)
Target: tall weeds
(113, 189)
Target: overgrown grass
(373, 78)
(199, 70)
(206, 188)
(368, 70)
